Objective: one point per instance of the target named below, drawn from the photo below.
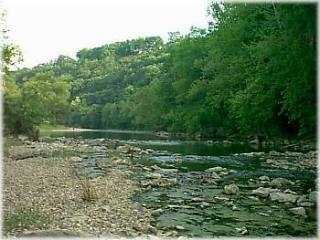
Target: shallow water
(203, 209)
(193, 203)
(146, 140)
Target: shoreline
(98, 188)
(39, 178)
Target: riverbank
(284, 144)
(41, 192)
(104, 187)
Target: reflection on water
(146, 139)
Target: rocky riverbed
(145, 192)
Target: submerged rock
(231, 189)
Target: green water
(146, 139)
(202, 208)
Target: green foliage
(23, 219)
(41, 98)
(251, 72)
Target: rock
(124, 148)
(205, 204)
(171, 181)
(253, 154)
(179, 227)
(149, 150)
(306, 204)
(155, 167)
(75, 159)
(242, 230)
(253, 198)
(221, 198)
(283, 197)
(145, 183)
(170, 234)
(298, 211)
(264, 178)
(153, 230)
(22, 138)
(216, 169)
(274, 153)
(231, 189)
(264, 214)
(302, 198)
(313, 196)
(154, 175)
(146, 169)
(214, 175)
(262, 192)
(235, 208)
(279, 182)
(293, 154)
(157, 212)
(168, 171)
(196, 199)
(289, 191)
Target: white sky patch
(45, 29)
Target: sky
(45, 29)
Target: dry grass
(88, 191)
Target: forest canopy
(252, 72)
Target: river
(199, 207)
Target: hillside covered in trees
(252, 72)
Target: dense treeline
(252, 72)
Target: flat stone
(283, 197)
(197, 199)
(222, 198)
(179, 227)
(153, 175)
(298, 211)
(216, 169)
